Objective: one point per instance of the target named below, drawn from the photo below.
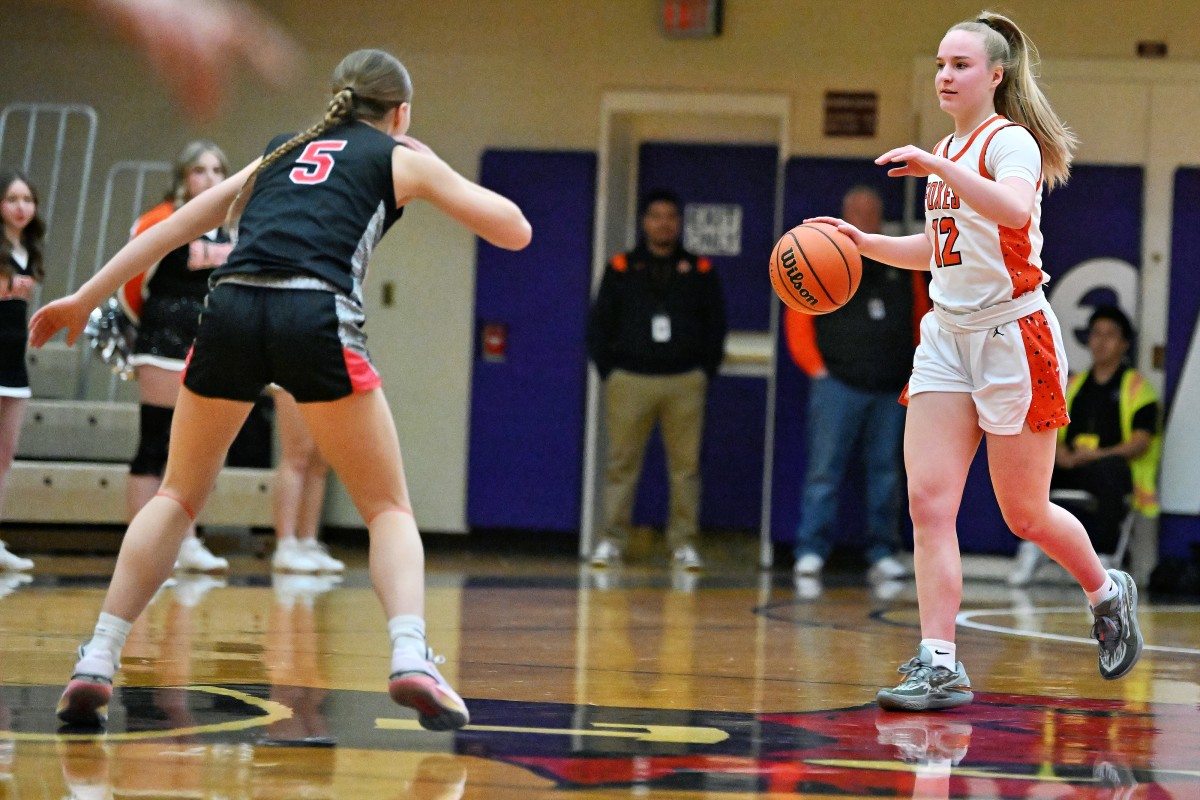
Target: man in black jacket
(858, 359)
(657, 336)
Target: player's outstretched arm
(1008, 202)
(418, 174)
(906, 252)
(198, 216)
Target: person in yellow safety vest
(1112, 446)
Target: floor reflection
(1004, 748)
(631, 683)
(294, 661)
(933, 745)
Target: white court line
(967, 620)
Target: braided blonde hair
(366, 85)
(1019, 97)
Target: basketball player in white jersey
(287, 308)
(991, 360)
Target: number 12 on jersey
(945, 233)
(317, 162)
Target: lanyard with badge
(876, 308)
(660, 322)
(660, 327)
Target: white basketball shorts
(1015, 369)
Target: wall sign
(712, 229)
(851, 113)
(691, 19)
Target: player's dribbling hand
(849, 230)
(67, 312)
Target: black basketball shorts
(308, 341)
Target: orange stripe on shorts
(1048, 405)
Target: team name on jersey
(939, 195)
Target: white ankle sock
(1103, 593)
(941, 651)
(408, 634)
(109, 637)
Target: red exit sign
(691, 18)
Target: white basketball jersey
(976, 262)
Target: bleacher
(81, 426)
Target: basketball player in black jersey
(286, 308)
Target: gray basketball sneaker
(1116, 628)
(926, 687)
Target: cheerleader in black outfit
(165, 301)
(20, 269)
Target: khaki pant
(634, 403)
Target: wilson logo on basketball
(815, 268)
(796, 277)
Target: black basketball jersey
(319, 210)
(14, 310)
(13, 333)
(184, 272)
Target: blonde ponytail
(1019, 97)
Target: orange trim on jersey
(132, 293)
(152, 217)
(619, 262)
(971, 139)
(903, 399)
(363, 377)
(1016, 248)
(1048, 403)
(1015, 245)
(983, 170)
(801, 336)
(130, 296)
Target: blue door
(1180, 533)
(739, 181)
(814, 187)
(529, 379)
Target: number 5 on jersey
(317, 162)
(945, 231)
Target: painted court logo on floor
(998, 746)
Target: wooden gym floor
(629, 683)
